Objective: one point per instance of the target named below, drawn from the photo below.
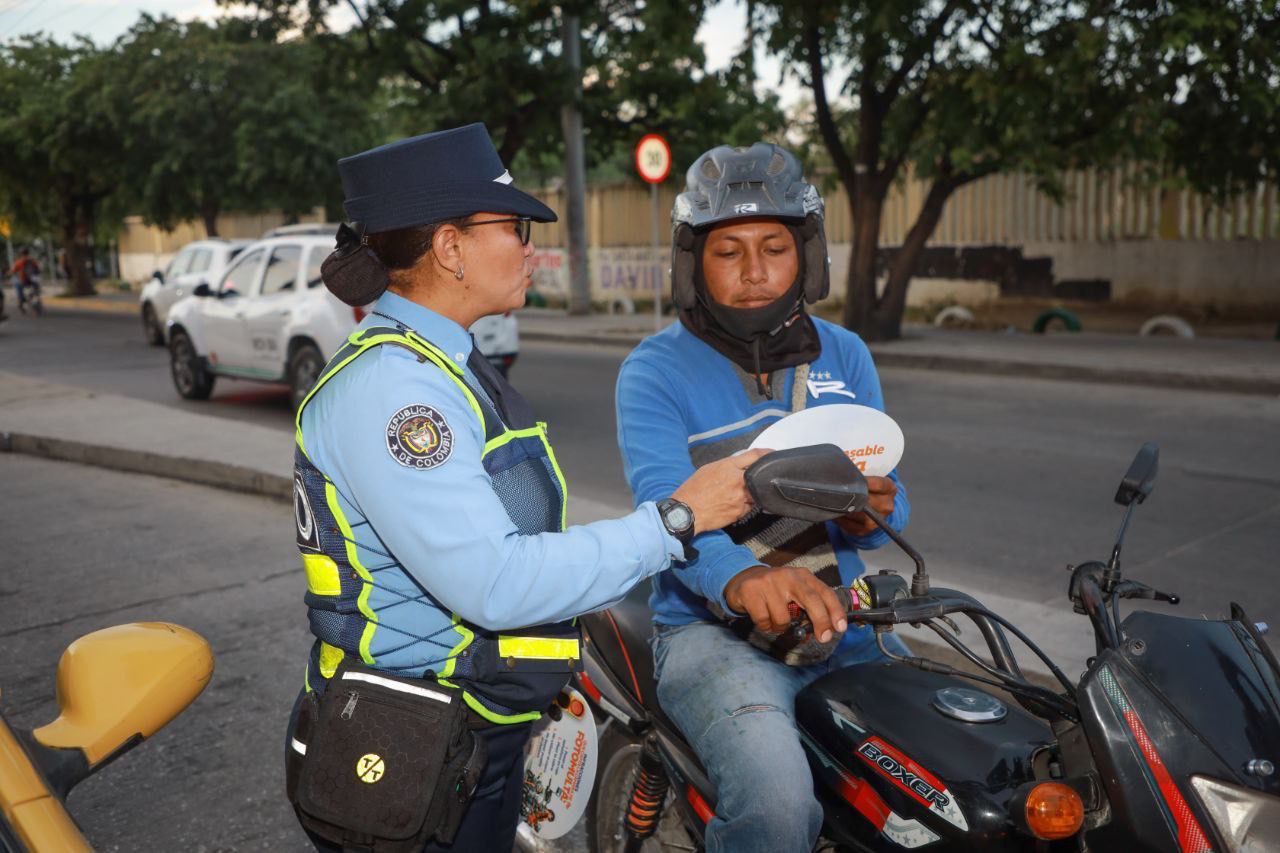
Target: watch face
(679, 517)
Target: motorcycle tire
(618, 760)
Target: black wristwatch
(678, 519)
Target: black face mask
(758, 340)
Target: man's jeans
(736, 705)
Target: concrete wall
(631, 272)
(144, 248)
(1220, 272)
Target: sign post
(653, 162)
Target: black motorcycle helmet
(739, 183)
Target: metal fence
(1001, 209)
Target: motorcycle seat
(621, 635)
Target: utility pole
(575, 169)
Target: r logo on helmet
(750, 207)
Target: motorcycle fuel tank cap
(968, 705)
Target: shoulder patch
(419, 437)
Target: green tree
(951, 91)
(648, 75)
(448, 62)
(231, 117)
(1218, 114)
(63, 148)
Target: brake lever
(1138, 589)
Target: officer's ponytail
(362, 265)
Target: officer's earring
(459, 273)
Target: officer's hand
(762, 592)
(717, 492)
(881, 492)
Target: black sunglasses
(524, 226)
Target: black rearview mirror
(815, 483)
(1140, 479)
(202, 289)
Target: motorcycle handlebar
(907, 610)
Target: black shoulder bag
(383, 763)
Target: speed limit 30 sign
(653, 158)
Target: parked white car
(200, 262)
(270, 318)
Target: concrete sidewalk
(111, 431)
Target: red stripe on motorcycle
(1191, 838)
(864, 798)
(700, 806)
(589, 686)
(635, 682)
(902, 771)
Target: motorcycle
(116, 687)
(1168, 742)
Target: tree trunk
(78, 258)
(886, 325)
(209, 213)
(860, 290)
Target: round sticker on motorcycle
(868, 436)
(559, 768)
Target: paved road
(1010, 478)
(87, 548)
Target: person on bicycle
(749, 251)
(24, 272)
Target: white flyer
(869, 437)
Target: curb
(202, 472)
(994, 367)
(89, 304)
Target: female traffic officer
(431, 511)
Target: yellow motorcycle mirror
(122, 684)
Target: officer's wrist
(677, 517)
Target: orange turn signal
(1054, 811)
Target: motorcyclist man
(749, 251)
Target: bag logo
(419, 437)
(370, 768)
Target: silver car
(200, 262)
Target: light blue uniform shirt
(443, 528)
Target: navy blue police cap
(431, 178)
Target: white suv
(201, 261)
(270, 318)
